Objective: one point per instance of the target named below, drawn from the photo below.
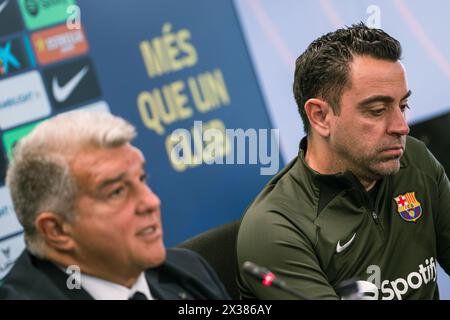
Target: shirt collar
(101, 289)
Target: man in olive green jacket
(362, 200)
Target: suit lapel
(163, 288)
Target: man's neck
(320, 159)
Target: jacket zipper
(377, 221)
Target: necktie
(138, 296)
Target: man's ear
(319, 112)
(55, 231)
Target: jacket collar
(328, 186)
(342, 180)
(164, 289)
(49, 283)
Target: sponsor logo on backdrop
(3, 163)
(100, 106)
(8, 220)
(3, 5)
(10, 20)
(10, 250)
(58, 43)
(6, 262)
(32, 7)
(62, 92)
(11, 137)
(42, 13)
(24, 100)
(72, 83)
(6, 252)
(11, 233)
(15, 56)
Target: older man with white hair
(80, 191)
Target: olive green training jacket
(315, 231)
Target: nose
(398, 124)
(149, 202)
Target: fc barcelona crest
(408, 207)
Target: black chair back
(218, 247)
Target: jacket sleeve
(270, 240)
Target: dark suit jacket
(184, 275)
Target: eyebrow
(115, 179)
(111, 181)
(381, 98)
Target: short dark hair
(322, 70)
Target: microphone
(268, 279)
(347, 289)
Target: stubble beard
(369, 166)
